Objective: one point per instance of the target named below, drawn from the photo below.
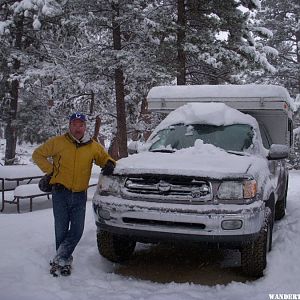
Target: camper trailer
(213, 171)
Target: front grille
(175, 189)
(164, 223)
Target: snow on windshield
(205, 113)
(236, 137)
(203, 159)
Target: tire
(254, 255)
(113, 247)
(280, 206)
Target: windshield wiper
(163, 150)
(237, 152)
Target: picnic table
(13, 176)
(22, 179)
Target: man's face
(77, 128)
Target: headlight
(110, 185)
(245, 189)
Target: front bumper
(154, 222)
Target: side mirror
(278, 151)
(133, 147)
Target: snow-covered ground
(27, 244)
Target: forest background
(101, 57)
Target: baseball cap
(77, 116)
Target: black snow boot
(65, 270)
(54, 268)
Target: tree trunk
(298, 54)
(11, 129)
(92, 104)
(120, 90)
(113, 149)
(145, 116)
(97, 128)
(181, 56)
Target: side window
(265, 136)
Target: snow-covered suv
(204, 175)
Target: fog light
(232, 224)
(104, 214)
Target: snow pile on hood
(205, 113)
(203, 160)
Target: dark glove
(108, 169)
(44, 183)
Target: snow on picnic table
(27, 245)
(20, 171)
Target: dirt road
(180, 264)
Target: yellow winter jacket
(70, 162)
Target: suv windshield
(236, 137)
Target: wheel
(281, 205)
(254, 255)
(113, 247)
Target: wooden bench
(27, 191)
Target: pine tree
(210, 42)
(21, 52)
(117, 59)
(102, 57)
(283, 19)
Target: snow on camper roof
(226, 91)
(205, 113)
(170, 97)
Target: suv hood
(205, 161)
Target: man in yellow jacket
(69, 159)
